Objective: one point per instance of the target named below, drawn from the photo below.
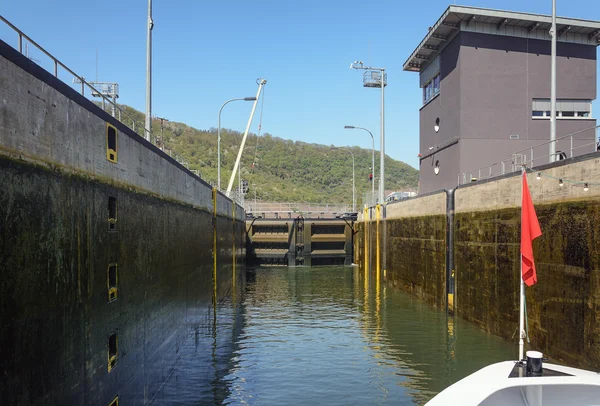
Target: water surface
(330, 335)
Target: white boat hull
(493, 386)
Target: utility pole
(553, 86)
(148, 125)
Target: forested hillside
(277, 169)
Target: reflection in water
(328, 336)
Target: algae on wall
(57, 247)
(563, 306)
(416, 256)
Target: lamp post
(375, 81)
(148, 124)
(353, 195)
(351, 127)
(553, 34)
(219, 137)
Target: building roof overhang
(508, 23)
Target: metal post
(531, 157)
(353, 188)
(219, 137)
(553, 86)
(382, 141)
(261, 83)
(219, 148)
(522, 284)
(372, 165)
(571, 146)
(148, 125)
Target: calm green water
(307, 336)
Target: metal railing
(260, 206)
(567, 146)
(370, 199)
(123, 116)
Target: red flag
(530, 230)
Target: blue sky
(206, 52)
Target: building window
(431, 89)
(565, 108)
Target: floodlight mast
(382, 83)
(261, 83)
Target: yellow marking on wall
(365, 227)
(377, 216)
(78, 260)
(112, 140)
(451, 302)
(89, 251)
(112, 357)
(214, 197)
(115, 402)
(233, 278)
(112, 289)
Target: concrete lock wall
(415, 253)
(563, 306)
(481, 273)
(107, 269)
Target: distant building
(485, 76)
(396, 196)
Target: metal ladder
(300, 240)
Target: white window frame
(559, 112)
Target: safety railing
(79, 80)
(370, 199)
(82, 84)
(260, 206)
(568, 146)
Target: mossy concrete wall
(563, 307)
(56, 246)
(415, 251)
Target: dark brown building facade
(485, 76)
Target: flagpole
(522, 284)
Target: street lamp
(353, 199)
(148, 123)
(351, 127)
(219, 137)
(376, 77)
